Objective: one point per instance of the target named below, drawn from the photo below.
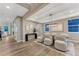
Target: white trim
(23, 40)
(19, 41)
(73, 41)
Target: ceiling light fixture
(8, 7)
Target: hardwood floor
(9, 47)
(76, 49)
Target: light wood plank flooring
(9, 47)
(76, 49)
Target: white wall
(37, 26)
(73, 35)
(10, 28)
(40, 28)
(28, 27)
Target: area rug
(47, 51)
(70, 52)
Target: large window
(73, 25)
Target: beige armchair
(60, 43)
(40, 39)
(48, 41)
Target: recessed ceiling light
(8, 7)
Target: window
(73, 25)
(46, 27)
(5, 28)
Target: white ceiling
(8, 11)
(33, 7)
(58, 11)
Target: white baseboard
(74, 41)
(23, 40)
(19, 41)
